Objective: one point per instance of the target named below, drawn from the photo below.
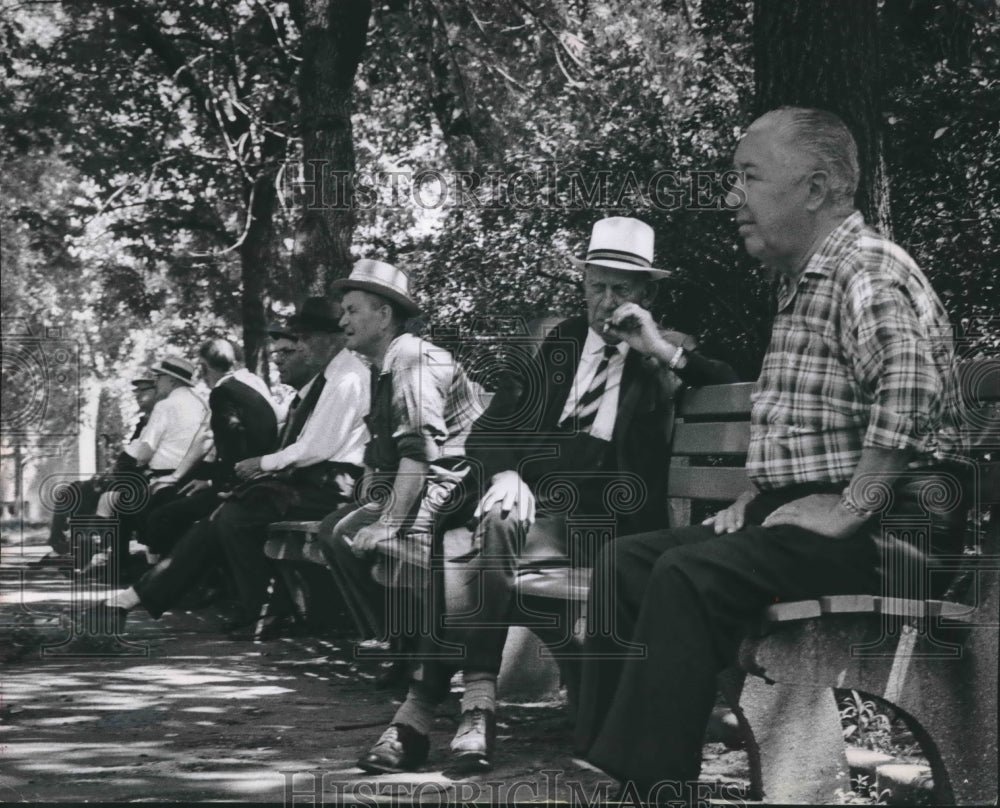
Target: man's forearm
(407, 489)
(877, 469)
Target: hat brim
(281, 333)
(161, 372)
(657, 274)
(347, 285)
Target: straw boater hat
(177, 367)
(381, 279)
(620, 242)
(140, 382)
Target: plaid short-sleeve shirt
(861, 355)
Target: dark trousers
(666, 614)
(166, 523)
(236, 531)
(667, 611)
(80, 499)
(133, 523)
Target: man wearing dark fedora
(592, 408)
(312, 472)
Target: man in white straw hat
(423, 405)
(592, 408)
(173, 426)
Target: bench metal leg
(797, 740)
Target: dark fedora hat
(315, 314)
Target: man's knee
(498, 534)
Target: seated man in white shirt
(173, 426)
(314, 471)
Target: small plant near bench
(863, 792)
(872, 724)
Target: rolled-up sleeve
(418, 402)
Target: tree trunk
(333, 39)
(256, 254)
(824, 53)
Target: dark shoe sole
(378, 767)
(468, 763)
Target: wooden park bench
(935, 661)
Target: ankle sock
(417, 711)
(480, 692)
(124, 599)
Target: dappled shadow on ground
(185, 714)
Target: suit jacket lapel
(559, 391)
(632, 388)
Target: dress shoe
(474, 742)
(400, 749)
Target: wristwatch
(678, 360)
(853, 508)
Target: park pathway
(184, 714)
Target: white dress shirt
(590, 357)
(173, 425)
(335, 430)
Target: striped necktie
(590, 402)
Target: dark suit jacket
(243, 425)
(519, 429)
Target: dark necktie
(590, 402)
(300, 411)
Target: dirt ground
(178, 712)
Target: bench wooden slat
(872, 604)
(847, 604)
(713, 438)
(710, 483)
(791, 610)
(716, 400)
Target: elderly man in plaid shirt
(856, 395)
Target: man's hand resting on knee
(731, 519)
(512, 494)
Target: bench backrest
(710, 442)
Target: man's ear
(817, 190)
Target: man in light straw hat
(593, 406)
(415, 470)
(173, 426)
